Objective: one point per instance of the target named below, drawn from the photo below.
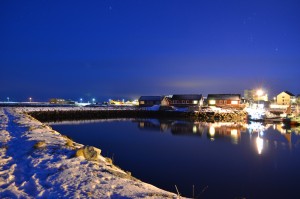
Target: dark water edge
(220, 160)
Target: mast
(289, 110)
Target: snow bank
(32, 109)
(38, 162)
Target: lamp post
(30, 99)
(259, 93)
(7, 99)
(93, 100)
(80, 100)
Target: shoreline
(38, 162)
(46, 115)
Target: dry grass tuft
(39, 145)
(109, 160)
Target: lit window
(212, 101)
(195, 102)
(142, 102)
(234, 102)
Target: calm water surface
(221, 160)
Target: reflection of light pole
(259, 144)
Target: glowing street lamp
(80, 100)
(259, 93)
(93, 100)
(7, 99)
(30, 99)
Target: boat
(273, 120)
(291, 120)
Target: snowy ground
(38, 162)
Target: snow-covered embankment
(38, 162)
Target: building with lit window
(224, 100)
(189, 100)
(285, 98)
(147, 101)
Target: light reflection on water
(233, 159)
(223, 129)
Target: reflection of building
(153, 124)
(147, 101)
(186, 100)
(226, 130)
(224, 100)
(286, 98)
(177, 127)
(186, 128)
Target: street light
(93, 100)
(30, 99)
(80, 100)
(7, 99)
(259, 93)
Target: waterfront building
(298, 99)
(147, 101)
(224, 100)
(186, 100)
(286, 98)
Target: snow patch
(51, 170)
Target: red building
(224, 100)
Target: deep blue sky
(108, 48)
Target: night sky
(125, 48)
